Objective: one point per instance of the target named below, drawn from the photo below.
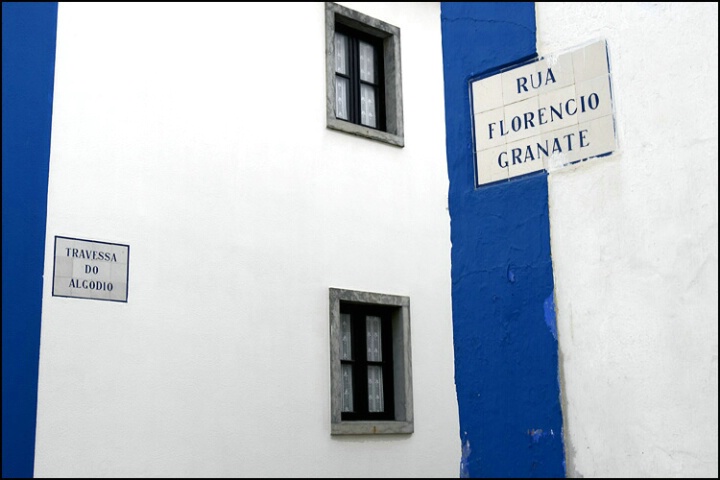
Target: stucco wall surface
(634, 240)
(195, 133)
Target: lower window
(371, 363)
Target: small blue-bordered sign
(90, 269)
(553, 112)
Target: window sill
(371, 428)
(361, 131)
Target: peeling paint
(549, 308)
(537, 433)
(464, 458)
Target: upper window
(363, 75)
(371, 381)
(359, 95)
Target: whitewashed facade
(195, 134)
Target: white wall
(195, 133)
(635, 247)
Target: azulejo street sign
(90, 269)
(553, 112)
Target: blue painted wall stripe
(28, 69)
(506, 357)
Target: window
(363, 75)
(371, 381)
(358, 68)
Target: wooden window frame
(353, 76)
(360, 364)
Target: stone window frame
(394, 133)
(402, 365)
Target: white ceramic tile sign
(547, 114)
(90, 269)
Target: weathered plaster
(634, 247)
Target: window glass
(341, 60)
(341, 101)
(367, 62)
(368, 106)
